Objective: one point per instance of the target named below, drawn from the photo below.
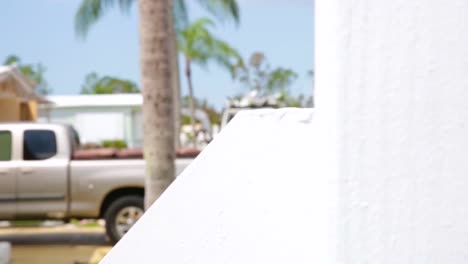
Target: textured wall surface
(9, 109)
(248, 198)
(379, 176)
(392, 76)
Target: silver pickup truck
(43, 176)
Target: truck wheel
(121, 215)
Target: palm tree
(159, 152)
(158, 121)
(90, 11)
(198, 45)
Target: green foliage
(107, 85)
(118, 144)
(222, 9)
(198, 45)
(12, 59)
(180, 14)
(213, 114)
(90, 11)
(299, 101)
(84, 223)
(185, 120)
(258, 75)
(35, 72)
(280, 79)
(253, 75)
(26, 223)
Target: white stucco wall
(248, 198)
(384, 180)
(392, 82)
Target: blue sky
(43, 31)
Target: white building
(102, 117)
(380, 177)
(98, 117)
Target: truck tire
(121, 215)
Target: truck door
(7, 176)
(42, 176)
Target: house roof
(23, 87)
(65, 101)
(112, 100)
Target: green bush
(118, 144)
(185, 120)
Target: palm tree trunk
(177, 104)
(157, 109)
(175, 81)
(188, 74)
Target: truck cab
(34, 163)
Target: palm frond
(222, 9)
(200, 46)
(90, 11)
(180, 14)
(226, 56)
(280, 79)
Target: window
(74, 138)
(88, 125)
(39, 144)
(5, 145)
(230, 117)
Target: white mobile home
(98, 117)
(105, 117)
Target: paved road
(55, 238)
(59, 235)
(61, 244)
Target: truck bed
(90, 177)
(111, 153)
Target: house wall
(9, 109)
(13, 107)
(28, 111)
(95, 124)
(392, 112)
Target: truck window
(75, 139)
(5, 145)
(231, 116)
(39, 144)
